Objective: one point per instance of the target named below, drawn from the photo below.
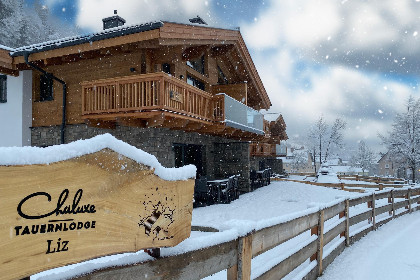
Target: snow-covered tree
(403, 142)
(299, 161)
(322, 138)
(24, 25)
(364, 157)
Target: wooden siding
(236, 91)
(6, 64)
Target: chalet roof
(87, 38)
(167, 33)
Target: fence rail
(236, 255)
(344, 186)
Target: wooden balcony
(262, 150)
(141, 93)
(158, 99)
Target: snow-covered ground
(390, 252)
(278, 202)
(265, 206)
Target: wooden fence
(347, 186)
(235, 256)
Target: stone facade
(258, 163)
(232, 158)
(221, 157)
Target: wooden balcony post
(161, 94)
(83, 99)
(117, 95)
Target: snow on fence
(332, 228)
(348, 186)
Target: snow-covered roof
(332, 162)
(346, 169)
(87, 38)
(6, 48)
(35, 155)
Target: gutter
(49, 75)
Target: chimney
(114, 21)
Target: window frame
(46, 88)
(193, 63)
(196, 80)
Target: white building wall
(16, 113)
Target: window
(166, 67)
(46, 88)
(195, 82)
(221, 79)
(386, 165)
(197, 64)
(3, 88)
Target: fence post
(242, 270)
(393, 205)
(409, 200)
(347, 233)
(319, 230)
(390, 201)
(373, 212)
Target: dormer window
(197, 64)
(3, 88)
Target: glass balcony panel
(238, 115)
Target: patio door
(189, 154)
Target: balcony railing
(137, 93)
(238, 115)
(162, 92)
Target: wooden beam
(133, 122)
(220, 50)
(176, 123)
(101, 123)
(212, 129)
(156, 121)
(8, 71)
(193, 126)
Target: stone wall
(231, 159)
(221, 157)
(276, 165)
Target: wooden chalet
(194, 85)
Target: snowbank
(35, 155)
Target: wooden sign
(82, 208)
(176, 96)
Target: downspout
(33, 66)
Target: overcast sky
(358, 60)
